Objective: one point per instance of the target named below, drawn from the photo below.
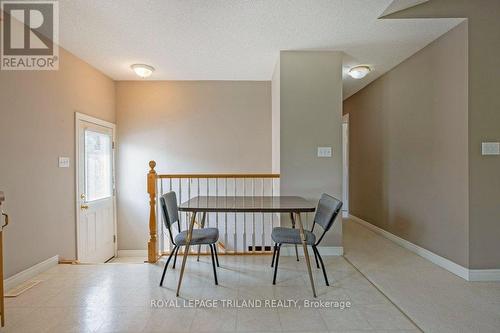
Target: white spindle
(245, 228)
(179, 187)
(263, 223)
(225, 218)
(217, 194)
(207, 222)
(272, 195)
(159, 216)
(253, 218)
(244, 218)
(235, 222)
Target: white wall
(186, 127)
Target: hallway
(435, 299)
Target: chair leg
(213, 264)
(277, 259)
(175, 257)
(315, 256)
(216, 255)
(274, 254)
(166, 265)
(322, 265)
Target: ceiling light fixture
(142, 70)
(359, 72)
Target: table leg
(293, 227)
(306, 254)
(202, 225)
(186, 251)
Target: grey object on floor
(291, 236)
(326, 213)
(206, 236)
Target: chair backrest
(170, 212)
(327, 211)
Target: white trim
(132, 253)
(345, 163)
(93, 120)
(83, 117)
(288, 250)
(463, 272)
(30, 273)
(432, 257)
(484, 275)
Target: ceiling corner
(399, 5)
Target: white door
(95, 190)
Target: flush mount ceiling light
(359, 72)
(142, 70)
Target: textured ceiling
(236, 39)
(398, 5)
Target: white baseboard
(132, 253)
(288, 250)
(463, 272)
(30, 273)
(484, 275)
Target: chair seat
(291, 236)
(200, 236)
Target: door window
(98, 157)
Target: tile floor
(117, 298)
(128, 260)
(435, 299)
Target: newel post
(152, 244)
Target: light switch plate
(64, 162)
(490, 148)
(324, 151)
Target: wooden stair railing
(152, 189)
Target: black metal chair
(205, 236)
(326, 213)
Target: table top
(250, 204)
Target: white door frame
(83, 117)
(345, 162)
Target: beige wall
(37, 117)
(409, 149)
(186, 126)
(275, 95)
(311, 116)
(484, 119)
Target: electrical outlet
(490, 148)
(64, 162)
(324, 151)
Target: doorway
(345, 163)
(95, 190)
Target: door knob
(84, 207)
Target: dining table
(293, 205)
